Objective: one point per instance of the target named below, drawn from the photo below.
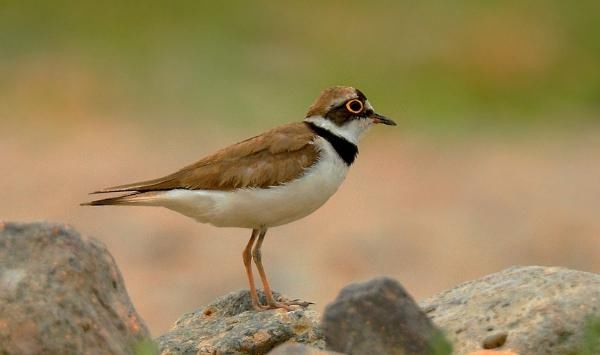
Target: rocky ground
(61, 293)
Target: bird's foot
(287, 305)
(259, 307)
(275, 302)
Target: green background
(438, 66)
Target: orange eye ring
(354, 106)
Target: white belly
(254, 207)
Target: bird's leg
(271, 302)
(257, 255)
(248, 264)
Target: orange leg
(271, 302)
(248, 264)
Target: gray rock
(62, 294)
(300, 349)
(230, 326)
(529, 310)
(379, 317)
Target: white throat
(351, 131)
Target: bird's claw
(299, 302)
(287, 305)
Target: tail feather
(142, 186)
(135, 198)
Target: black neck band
(345, 149)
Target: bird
(269, 180)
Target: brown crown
(331, 98)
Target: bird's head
(344, 111)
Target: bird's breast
(273, 206)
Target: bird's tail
(136, 198)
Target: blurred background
(495, 161)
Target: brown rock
(528, 310)
(62, 294)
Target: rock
(231, 326)
(494, 340)
(379, 317)
(527, 310)
(300, 349)
(62, 294)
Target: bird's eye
(354, 106)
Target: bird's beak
(377, 118)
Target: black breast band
(345, 149)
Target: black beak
(377, 118)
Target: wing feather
(271, 159)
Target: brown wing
(273, 158)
